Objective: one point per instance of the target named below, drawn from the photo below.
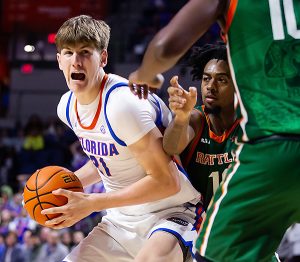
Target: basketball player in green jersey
(205, 135)
(259, 198)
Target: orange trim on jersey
(95, 119)
(188, 157)
(225, 135)
(230, 15)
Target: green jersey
(265, 58)
(208, 157)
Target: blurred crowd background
(31, 135)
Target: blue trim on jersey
(118, 140)
(199, 212)
(158, 120)
(182, 170)
(188, 244)
(68, 110)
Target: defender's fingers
(193, 91)
(177, 99)
(174, 81)
(175, 91)
(175, 106)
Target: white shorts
(119, 237)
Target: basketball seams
(39, 204)
(40, 195)
(38, 191)
(42, 185)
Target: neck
(88, 97)
(223, 120)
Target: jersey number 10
(277, 19)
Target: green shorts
(258, 200)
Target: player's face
(217, 87)
(82, 65)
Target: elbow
(170, 150)
(171, 147)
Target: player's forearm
(148, 189)
(88, 174)
(176, 136)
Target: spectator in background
(2, 246)
(34, 137)
(66, 238)
(21, 223)
(77, 236)
(13, 251)
(5, 219)
(53, 250)
(5, 197)
(32, 155)
(43, 234)
(31, 245)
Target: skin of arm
(172, 42)
(162, 180)
(88, 174)
(180, 132)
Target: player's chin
(212, 108)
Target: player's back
(264, 47)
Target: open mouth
(78, 76)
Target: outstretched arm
(179, 133)
(172, 42)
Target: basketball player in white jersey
(152, 208)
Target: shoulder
(63, 105)
(113, 79)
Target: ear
(103, 57)
(58, 57)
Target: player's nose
(76, 60)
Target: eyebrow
(218, 74)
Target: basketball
(38, 191)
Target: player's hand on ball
(76, 209)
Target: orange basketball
(38, 191)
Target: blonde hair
(83, 29)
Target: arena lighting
(27, 68)
(29, 48)
(51, 38)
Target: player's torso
(118, 167)
(264, 49)
(207, 161)
(116, 163)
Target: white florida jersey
(123, 120)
